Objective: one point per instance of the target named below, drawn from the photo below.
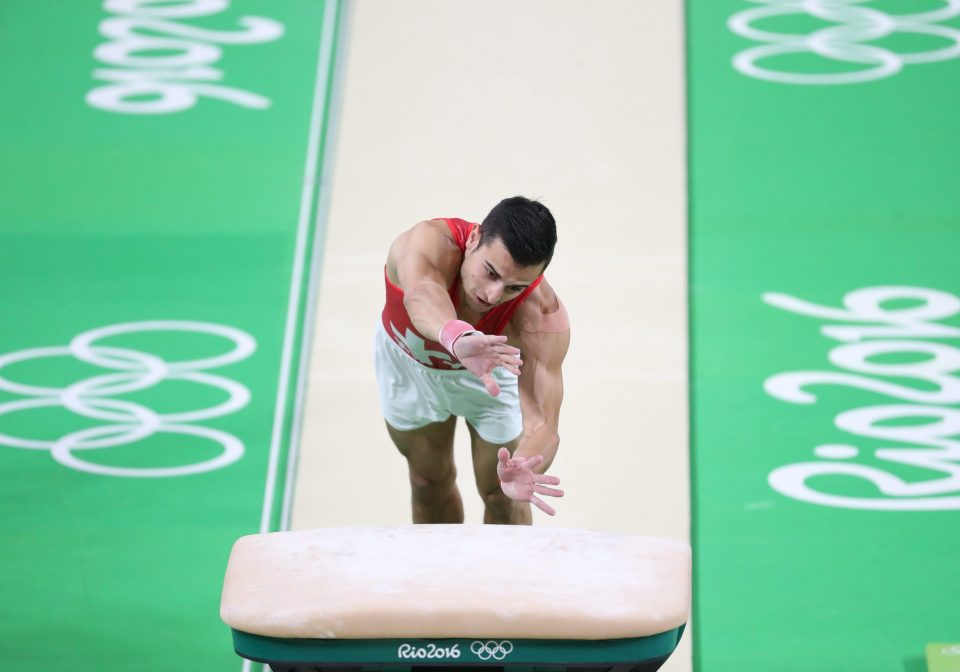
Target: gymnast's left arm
(543, 339)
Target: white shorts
(413, 395)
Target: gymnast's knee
(496, 500)
(436, 484)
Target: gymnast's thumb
(492, 388)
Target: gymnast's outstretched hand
(521, 483)
(482, 353)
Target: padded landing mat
(161, 164)
(825, 231)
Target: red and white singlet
(399, 327)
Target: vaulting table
(419, 597)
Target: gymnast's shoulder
(542, 312)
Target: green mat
(825, 326)
(159, 216)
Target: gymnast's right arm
(425, 260)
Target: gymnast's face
(489, 276)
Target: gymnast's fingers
(533, 462)
(550, 492)
(511, 366)
(510, 359)
(490, 340)
(546, 479)
(542, 505)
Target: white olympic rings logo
(491, 649)
(846, 41)
(130, 422)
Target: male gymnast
(464, 303)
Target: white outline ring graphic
(491, 649)
(846, 41)
(130, 422)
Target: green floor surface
(158, 210)
(825, 325)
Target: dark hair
(526, 228)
